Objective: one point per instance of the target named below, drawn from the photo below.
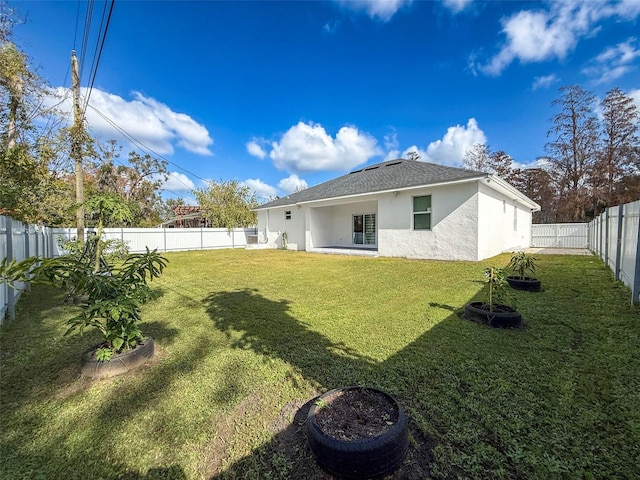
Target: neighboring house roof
(392, 175)
(185, 209)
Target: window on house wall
(287, 215)
(422, 213)
(364, 229)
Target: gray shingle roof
(394, 174)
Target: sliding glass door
(364, 229)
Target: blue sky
(280, 95)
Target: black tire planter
(374, 457)
(527, 284)
(503, 316)
(119, 363)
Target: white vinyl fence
(19, 241)
(560, 235)
(165, 239)
(615, 238)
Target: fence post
(164, 237)
(601, 252)
(11, 299)
(607, 238)
(619, 243)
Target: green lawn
(245, 339)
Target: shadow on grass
(38, 362)
(271, 330)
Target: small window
(422, 213)
(287, 215)
(515, 218)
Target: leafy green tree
(137, 181)
(227, 204)
(27, 186)
(109, 208)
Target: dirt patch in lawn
(356, 414)
(288, 455)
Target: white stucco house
(402, 208)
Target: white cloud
(178, 182)
(292, 184)
(255, 149)
(450, 150)
(456, 6)
(381, 10)
(540, 35)
(453, 146)
(544, 82)
(308, 148)
(331, 26)
(260, 188)
(391, 144)
(150, 122)
(614, 62)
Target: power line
(140, 144)
(178, 195)
(75, 33)
(99, 56)
(85, 36)
(120, 162)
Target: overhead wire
(135, 141)
(145, 147)
(86, 34)
(75, 32)
(94, 67)
(97, 55)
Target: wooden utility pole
(13, 70)
(76, 146)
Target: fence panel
(560, 235)
(629, 262)
(164, 239)
(4, 250)
(19, 241)
(615, 238)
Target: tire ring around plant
(527, 284)
(359, 459)
(474, 311)
(119, 362)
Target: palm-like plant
(114, 292)
(522, 263)
(496, 283)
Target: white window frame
(364, 229)
(420, 212)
